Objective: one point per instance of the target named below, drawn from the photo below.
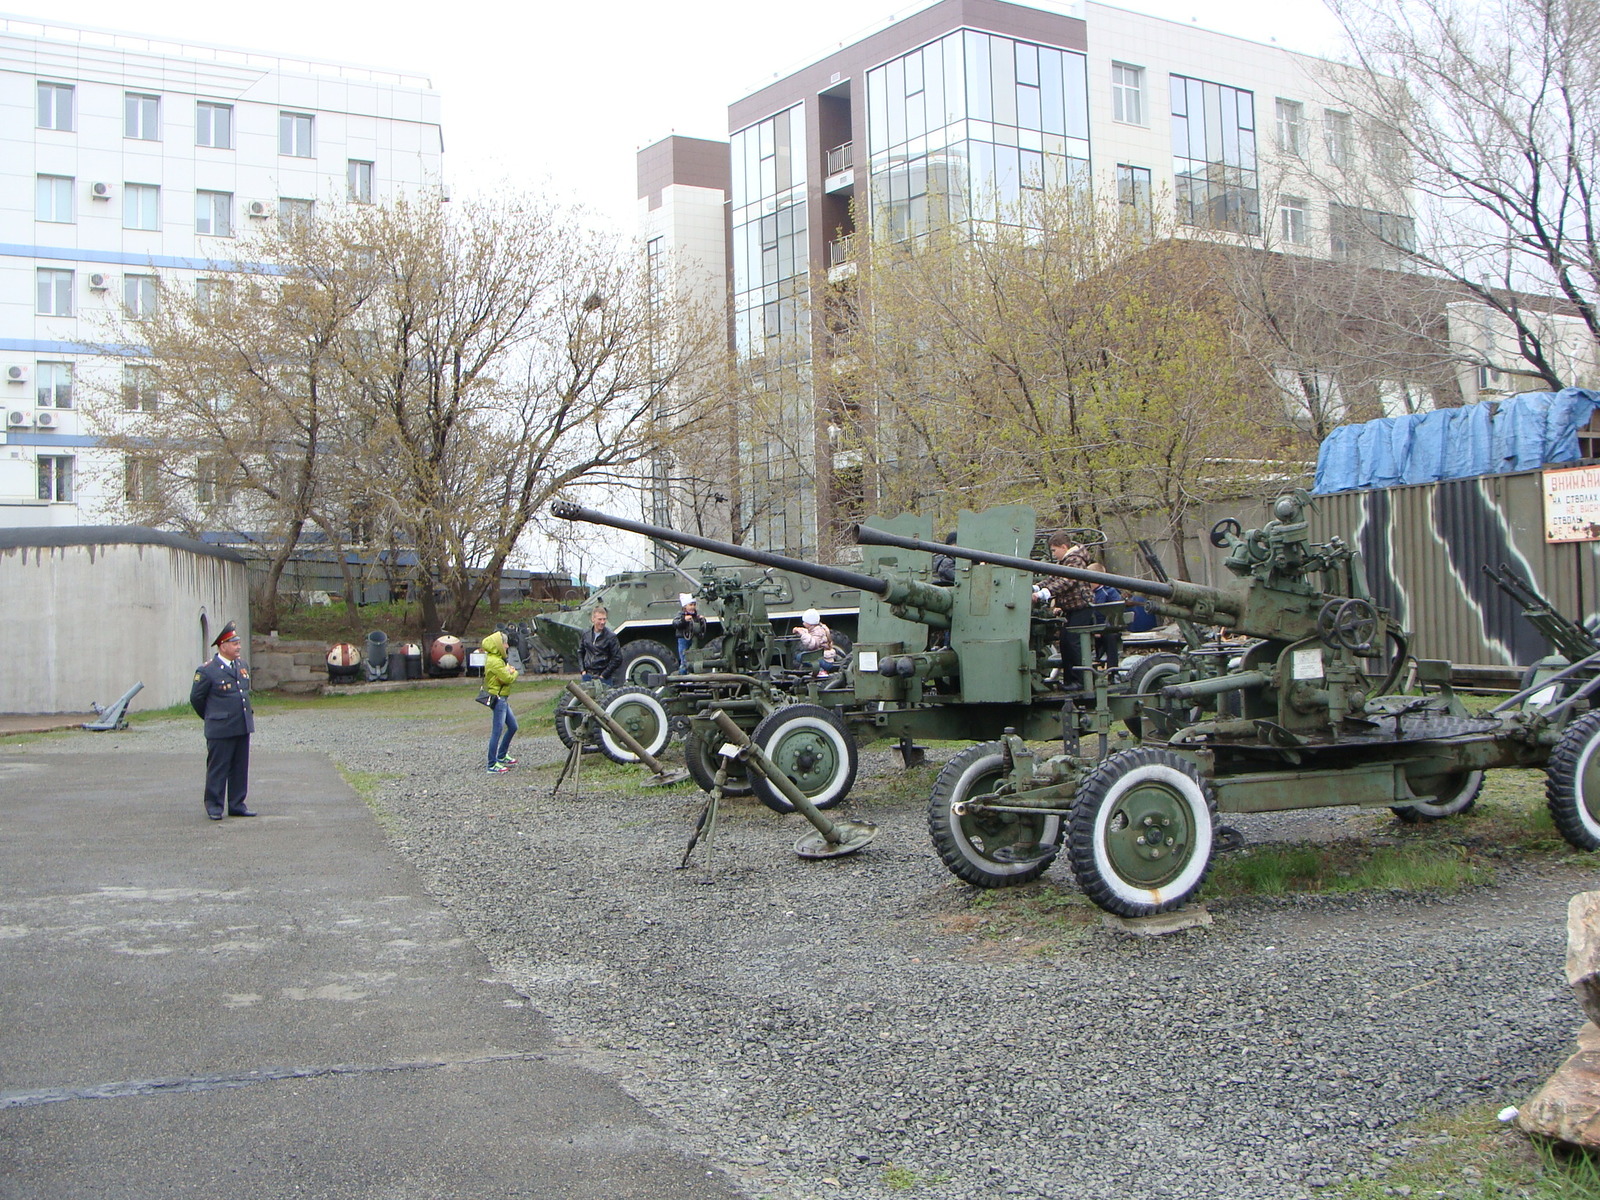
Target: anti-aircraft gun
(1314, 719)
(989, 674)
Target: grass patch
(1342, 867)
(1470, 1155)
(903, 1179)
(1038, 919)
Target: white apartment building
(124, 159)
(962, 107)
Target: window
(213, 481)
(54, 200)
(205, 293)
(213, 213)
(141, 206)
(1337, 133)
(141, 117)
(1291, 126)
(54, 385)
(1127, 93)
(213, 125)
(139, 392)
(1133, 193)
(360, 176)
(139, 295)
(1367, 235)
(296, 214)
(55, 478)
(294, 134)
(52, 293)
(55, 106)
(1292, 220)
(141, 478)
(1214, 156)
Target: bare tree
(417, 375)
(1490, 112)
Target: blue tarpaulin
(1519, 433)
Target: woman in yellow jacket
(498, 678)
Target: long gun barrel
(1180, 595)
(912, 594)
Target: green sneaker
(507, 761)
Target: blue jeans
(503, 729)
(683, 655)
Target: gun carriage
(1313, 713)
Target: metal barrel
(1181, 593)
(764, 558)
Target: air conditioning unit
(47, 420)
(99, 281)
(100, 191)
(259, 208)
(17, 374)
(19, 419)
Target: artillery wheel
(971, 845)
(644, 658)
(572, 722)
(1152, 672)
(638, 711)
(1142, 832)
(1223, 531)
(702, 760)
(815, 751)
(1572, 783)
(1457, 792)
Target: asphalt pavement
(271, 1007)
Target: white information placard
(1572, 505)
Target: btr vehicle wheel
(1142, 832)
(815, 751)
(638, 711)
(644, 658)
(1457, 792)
(1572, 783)
(991, 850)
(702, 760)
(572, 722)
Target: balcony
(841, 258)
(841, 175)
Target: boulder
(1583, 951)
(1567, 1107)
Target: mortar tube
(782, 782)
(617, 731)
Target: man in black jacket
(599, 652)
(221, 697)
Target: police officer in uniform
(221, 696)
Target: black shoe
(215, 816)
(241, 812)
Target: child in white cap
(689, 626)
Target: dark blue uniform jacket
(222, 696)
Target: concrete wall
(91, 610)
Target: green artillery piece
(1313, 716)
(990, 674)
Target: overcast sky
(562, 95)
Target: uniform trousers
(227, 773)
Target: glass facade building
(963, 127)
(1214, 168)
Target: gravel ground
(838, 1028)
